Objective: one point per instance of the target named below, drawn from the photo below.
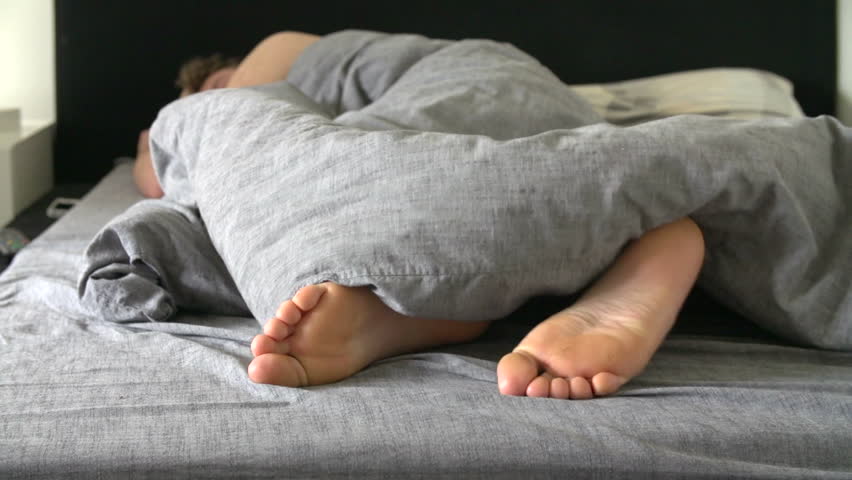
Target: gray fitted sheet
(81, 397)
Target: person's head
(205, 73)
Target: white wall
(844, 61)
(27, 79)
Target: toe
(308, 297)
(606, 383)
(580, 389)
(289, 313)
(539, 387)
(276, 369)
(515, 372)
(263, 344)
(560, 388)
(276, 329)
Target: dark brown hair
(194, 71)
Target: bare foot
(595, 346)
(328, 332)
(579, 353)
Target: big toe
(515, 372)
(277, 369)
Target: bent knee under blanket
(469, 225)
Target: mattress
(82, 398)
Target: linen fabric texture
(470, 178)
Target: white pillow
(724, 92)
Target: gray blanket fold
(151, 260)
(475, 179)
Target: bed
(85, 398)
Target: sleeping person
(327, 331)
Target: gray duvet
(459, 179)
(135, 398)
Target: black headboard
(116, 61)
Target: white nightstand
(26, 163)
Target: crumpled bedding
(154, 258)
(85, 398)
(470, 179)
